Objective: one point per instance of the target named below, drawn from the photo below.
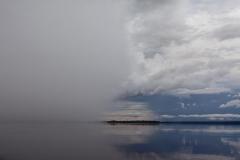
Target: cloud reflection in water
(201, 142)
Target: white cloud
(207, 116)
(233, 103)
(210, 116)
(182, 91)
(237, 95)
(182, 105)
(184, 47)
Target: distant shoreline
(143, 122)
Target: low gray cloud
(184, 47)
(229, 31)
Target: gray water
(70, 141)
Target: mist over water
(60, 60)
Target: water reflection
(53, 141)
(201, 142)
(70, 141)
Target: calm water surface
(70, 141)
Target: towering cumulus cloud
(184, 47)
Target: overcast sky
(61, 59)
(185, 60)
(184, 47)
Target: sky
(185, 59)
(184, 47)
(70, 60)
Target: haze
(60, 59)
